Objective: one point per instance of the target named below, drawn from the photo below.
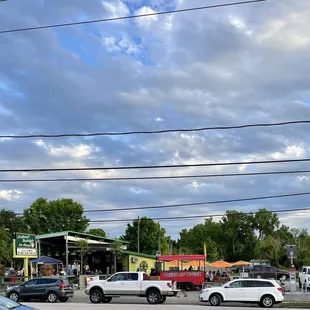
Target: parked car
(50, 289)
(304, 277)
(268, 272)
(6, 303)
(266, 293)
(132, 284)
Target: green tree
(265, 223)
(56, 215)
(192, 240)
(97, 232)
(116, 247)
(4, 246)
(272, 250)
(237, 236)
(150, 232)
(83, 247)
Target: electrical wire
(96, 134)
(157, 166)
(201, 216)
(129, 17)
(154, 177)
(189, 204)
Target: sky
(218, 67)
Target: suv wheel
(95, 296)
(215, 300)
(52, 297)
(14, 296)
(267, 301)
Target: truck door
(132, 285)
(116, 284)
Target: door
(29, 289)
(131, 285)
(234, 291)
(253, 290)
(116, 284)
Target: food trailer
(186, 279)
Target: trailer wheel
(163, 299)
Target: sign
(291, 251)
(195, 277)
(25, 245)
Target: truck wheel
(153, 297)
(106, 300)
(163, 299)
(95, 296)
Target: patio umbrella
(241, 263)
(220, 264)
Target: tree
(56, 215)
(83, 247)
(97, 232)
(116, 247)
(150, 232)
(4, 245)
(265, 223)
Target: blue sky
(237, 65)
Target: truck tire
(163, 299)
(96, 296)
(215, 300)
(106, 300)
(153, 297)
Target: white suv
(304, 277)
(266, 293)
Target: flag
(205, 250)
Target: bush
(47, 270)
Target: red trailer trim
(167, 258)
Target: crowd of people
(211, 275)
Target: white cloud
(10, 194)
(146, 21)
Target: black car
(50, 289)
(268, 272)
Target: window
(31, 282)
(133, 276)
(309, 271)
(236, 284)
(253, 283)
(119, 277)
(266, 284)
(304, 270)
(43, 281)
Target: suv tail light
(62, 285)
(169, 285)
(280, 289)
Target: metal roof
(139, 254)
(76, 234)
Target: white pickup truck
(304, 277)
(130, 284)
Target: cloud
(245, 64)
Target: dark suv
(268, 272)
(50, 289)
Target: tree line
(235, 236)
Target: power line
(201, 216)
(96, 134)
(192, 204)
(154, 177)
(129, 17)
(157, 166)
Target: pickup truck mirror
(227, 286)
(109, 280)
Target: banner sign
(25, 245)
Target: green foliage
(56, 215)
(97, 232)
(149, 236)
(83, 247)
(4, 245)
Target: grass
(295, 305)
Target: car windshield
(8, 304)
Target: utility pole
(138, 234)
(159, 238)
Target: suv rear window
(254, 283)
